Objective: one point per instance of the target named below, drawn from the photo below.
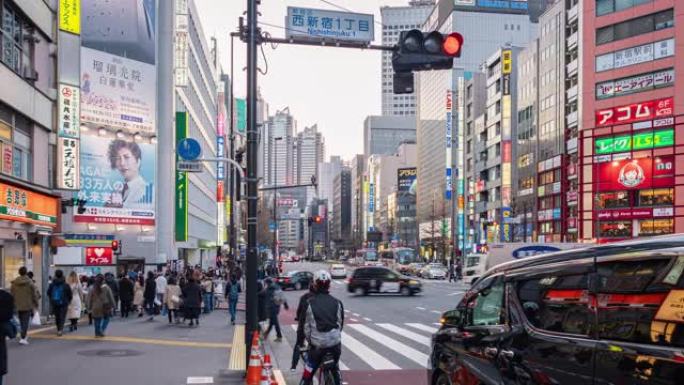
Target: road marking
(437, 324)
(373, 359)
(147, 341)
(422, 327)
(346, 311)
(367, 319)
(406, 333)
(342, 365)
(354, 320)
(200, 380)
(279, 377)
(405, 350)
(36, 331)
(436, 311)
(356, 314)
(420, 308)
(455, 293)
(236, 360)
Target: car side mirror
(451, 318)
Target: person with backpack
(232, 295)
(60, 296)
(26, 300)
(101, 302)
(275, 299)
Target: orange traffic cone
(254, 367)
(266, 371)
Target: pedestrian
(219, 286)
(262, 301)
(452, 271)
(459, 271)
(114, 287)
(275, 299)
(138, 297)
(207, 294)
(150, 295)
(126, 294)
(60, 297)
(232, 295)
(89, 286)
(76, 305)
(8, 330)
(101, 303)
(192, 298)
(26, 301)
(173, 299)
(161, 289)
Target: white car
(338, 271)
(433, 272)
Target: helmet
(322, 280)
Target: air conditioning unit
(29, 73)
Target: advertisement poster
(634, 112)
(634, 174)
(68, 157)
(98, 256)
(407, 180)
(117, 179)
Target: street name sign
(324, 25)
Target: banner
(98, 256)
(181, 211)
(117, 180)
(634, 112)
(21, 205)
(634, 174)
(70, 16)
(68, 158)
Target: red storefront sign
(634, 174)
(625, 214)
(572, 223)
(572, 196)
(98, 256)
(634, 112)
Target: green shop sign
(181, 183)
(641, 141)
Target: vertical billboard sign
(220, 144)
(181, 183)
(118, 109)
(449, 124)
(70, 16)
(68, 132)
(407, 179)
(241, 115)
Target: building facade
(278, 145)
(383, 134)
(358, 166)
(630, 112)
(342, 207)
(395, 20)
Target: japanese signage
(68, 116)
(634, 112)
(88, 239)
(634, 174)
(503, 4)
(70, 16)
(117, 180)
(634, 84)
(7, 158)
(635, 55)
(68, 157)
(319, 24)
(506, 61)
(406, 179)
(21, 205)
(636, 213)
(371, 198)
(181, 211)
(241, 115)
(180, 44)
(220, 145)
(449, 122)
(641, 141)
(98, 256)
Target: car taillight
(348, 280)
(287, 279)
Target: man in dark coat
(60, 295)
(192, 299)
(125, 295)
(114, 287)
(6, 311)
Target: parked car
(297, 280)
(414, 268)
(607, 314)
(338, 270)
(377, 279)
(433, 271)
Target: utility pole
(232, 187)
(275, 195)
(252, 155)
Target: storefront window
(15, 144)
(656, 197)
(613, 200)
(615, 229)
(656, 226)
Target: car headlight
(413, 282)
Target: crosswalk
(383, 346)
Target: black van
(609, 314)
(376, 279)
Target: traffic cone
(254, 367)
(266, 372)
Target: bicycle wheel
(328, 377)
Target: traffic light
(318, 219)
(422, 51)
(116, 247)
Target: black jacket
(263, 303)
(150, 292)
(126, 290)
(66, 292)
(113, 286)
(323, 322)
(192, 295)
(6, 310)
(301, 314)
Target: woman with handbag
(101, 303)
(172, 295)
(8, 329)
(76, 304)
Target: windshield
(370, 256)
(406, 256)
(472, 261)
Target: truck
(476, 264)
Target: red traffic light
(115, 245)
(318, 219)
(452, 44)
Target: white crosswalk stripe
(373, 359)
(340, 363)
(406, 333)
(393, 344)
(422, 327)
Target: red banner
(634, 112)
(625, 214)
(99, 256)
(634, 174)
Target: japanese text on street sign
(635, 55)
(634, 84)
(634, 112)
(319, 24)
(69, 116)
(189, 166)
(68, 152)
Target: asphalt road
(386, 337)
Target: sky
(335, 88)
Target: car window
(558, 303)
(486, 307)
(640, 301)
(391, 275)
(361, 273)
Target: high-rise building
(309, 152)
(383, 134)
(630, 107)
(395, 20)
(342, 207)
(278, 141)
(358, 164)
(327, 172)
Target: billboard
(634, 174)
(406, 180)
(634, 112)
(635, 142)
(117, 179)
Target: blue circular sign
(189, 149)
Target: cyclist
(301, 313)
(322, 325)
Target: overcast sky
(334, 87)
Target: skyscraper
(395, 20)
(278, 141)
(309, 151)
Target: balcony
(571, 93)
(571, 41)
(572, 13)
(571, 119)
(571, 68)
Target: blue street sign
(272, 226)
(189, 149)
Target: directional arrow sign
(189, 149)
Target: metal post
(231, 155)
(252, 155)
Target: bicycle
(327, 368)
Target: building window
(656, 197)
(11, 34)
(651, 227)
(615, 229)
(613, 200)
(15, 143)
(635, 27)
(604, 7)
